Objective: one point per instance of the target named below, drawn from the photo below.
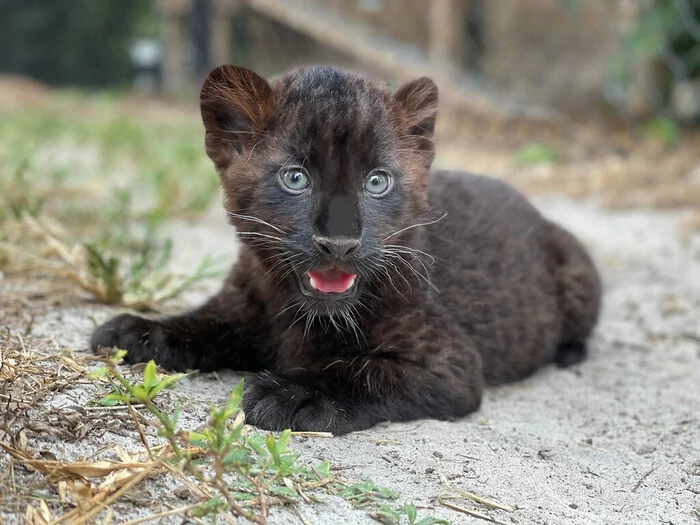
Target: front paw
(273, 402)
(143, 339)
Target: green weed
(18, 195)
(124, 392)
(246, 471)
(536, 154)
(117, 269)
(663, 130)
(83, 199)
(142, 281)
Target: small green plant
(366, 493)
(412, 515)
(536, 154)
(107, 269)
(126, 392)
(20, 196)
(247, 471)
(83, 198)
(143, 282)
(392, 516)
(663, 130)
(144, 392)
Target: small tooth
(313, 283)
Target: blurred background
(502, 66)
(635, 57)
(594, 99)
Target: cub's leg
(579, 292)
(225, 332)
(422, 367)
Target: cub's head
(324, 173)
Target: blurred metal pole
(201, 10)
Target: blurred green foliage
(79, 42)
(535, 153)
(666, 33)
(663, 130)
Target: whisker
(292, 305)
(310, 316)
(265, 235)
(255, 219)
(418, 274)
(415, 226)
(412, 251)
(297, 317)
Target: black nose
(340, 247)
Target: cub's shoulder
(455, 190)
(446, 182)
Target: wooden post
(473, 44)
(201, 24)
(174, 74)
(171, 12)
(220, 44)
(446, 31)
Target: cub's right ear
(235, 104)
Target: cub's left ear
(416, 105)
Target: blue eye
(378, 183)
(295, 180)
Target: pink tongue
(331, 281)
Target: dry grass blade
(139, 429)
(116, 484)
(200, 490)
(301, 516)
(480, 499)
(303, 433)
(172, 512)
(38, 516)
(100, 502)
(90, 500)
(27, 377)
(468, 512)
(57, 470)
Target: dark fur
(515, 291)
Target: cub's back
(492, 272)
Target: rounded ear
(416, 103)
(235, 104)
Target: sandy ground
(614, 440)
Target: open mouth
(333, 282)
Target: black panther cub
(368, 288)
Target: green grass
(663, 130)
(163, 163)
(86, 189)
(535, 153)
